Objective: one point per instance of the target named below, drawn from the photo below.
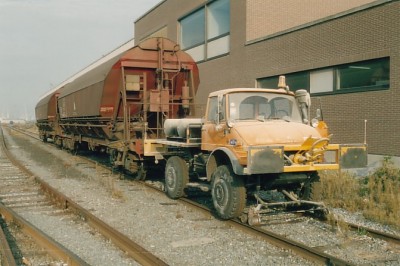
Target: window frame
(181, 32)
(207, 53)
(335, 82)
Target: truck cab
(239, 119)
(254, 140)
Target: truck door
(212, 134)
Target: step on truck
(250, 141)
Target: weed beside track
(376, 196)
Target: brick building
(345, 53)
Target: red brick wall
(277, 15)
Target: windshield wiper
(285, 118)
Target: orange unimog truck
(249, 143)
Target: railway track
(24, 191)
(18, 191)
(313, 254)
(6, 255)
(33, 237)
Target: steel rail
(375, 233)
(53, 248)
(138, 253)
(6, 256)
(278, 240)
(300, 249)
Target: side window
(212, 109)
(222, 109)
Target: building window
(354, 77)
(218, 19)
(321, 81)
(363, 75)
(193, 30)
(205, 32)
(296, 81)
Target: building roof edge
(322, 20)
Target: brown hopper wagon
(114, 106)
(46, 116)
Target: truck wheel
(228, 193)
(176, 177)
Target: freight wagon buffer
(117, 105)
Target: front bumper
(274, 159)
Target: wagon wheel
(44, 137)
(58, 141)
(133, 167)
(113, 155)
(140, 173)
(228, 193)
(176, 177)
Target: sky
(44, 42)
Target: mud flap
(353, 156)
(265, 160)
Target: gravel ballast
(172, 231)
(178, 234)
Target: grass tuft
(376, 196)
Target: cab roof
(234, 90)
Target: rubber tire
(228, 193)
(176, 177)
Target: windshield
(262, 106)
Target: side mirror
(319, 114)
(315, 121)
(304, 101)
(318, 119)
